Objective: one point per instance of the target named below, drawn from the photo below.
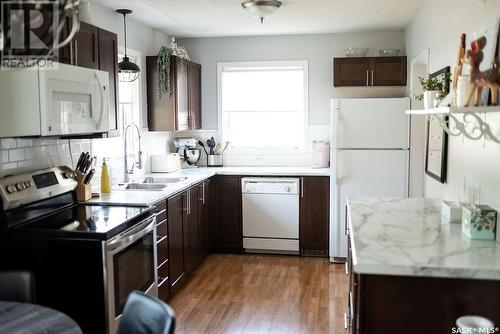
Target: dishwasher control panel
(267, 185)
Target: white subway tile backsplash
(18, 154)
(22, 142)
(8, 143)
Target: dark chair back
(17, 286)
(144, 314)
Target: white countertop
(408, 237)
(195, 175)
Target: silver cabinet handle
(71, 53)
(367, 75)
(372, 77)
(189, 201)
(347, 266)
(76, 52)
(302, 187)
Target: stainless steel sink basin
(163, 180)
(145, 186)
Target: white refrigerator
(369, 157)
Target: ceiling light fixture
(127, 70)
(261, 8)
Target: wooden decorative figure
(479, 80)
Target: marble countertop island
(408, 237)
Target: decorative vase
(431, 98)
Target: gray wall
(476, 162)
(318, 49)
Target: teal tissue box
(479, 222)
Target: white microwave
(67, 101)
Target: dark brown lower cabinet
(314, 215)
(204, 190)
(191, 230)
(175, 221)
(411, 305)
(227, 216)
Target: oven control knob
(28, 184)
(20, 186)
(11, 188)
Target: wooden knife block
(83, 191)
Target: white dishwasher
(270, 215)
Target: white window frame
(264, 150)
(142, 117)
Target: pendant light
(127, 70)
(261, 8)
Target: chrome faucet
(138, 163)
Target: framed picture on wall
(437, 139)
(436, 150)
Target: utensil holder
(214, 160)
(83, 192)
(479, 222)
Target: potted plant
(434, 89)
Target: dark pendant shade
(127, 70)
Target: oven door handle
(129, 237)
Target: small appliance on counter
(320, 156)
(189, 154)
(165, 163)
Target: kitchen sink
(163, 180)
(145, 186)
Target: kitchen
(254, 239)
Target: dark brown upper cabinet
(369, 71)
(182, 110)
(194, 82)
(314, 216)
(86, 46)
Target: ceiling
(209, 18)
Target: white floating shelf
(454, 110)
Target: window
(263, 105)
(128, 98)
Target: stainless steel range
(86, 258)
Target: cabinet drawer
(164, 289)
(163, 270)
(161, 211)
(162, 250)
(161, 229)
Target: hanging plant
(164, 78)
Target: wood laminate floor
(263, 294)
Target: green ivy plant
(164, 77)
(434, 83)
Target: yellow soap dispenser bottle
(105, 180)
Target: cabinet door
(388, 71)
(314, 216)
(204, 217)
(108, 61)
(351, 72)
(85, 47)
(227, 219)
(176, 208)
(182, 94)
(65, 55)
(194, 96)
(191, 231)
(161, 111)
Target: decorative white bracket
(471, 124)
